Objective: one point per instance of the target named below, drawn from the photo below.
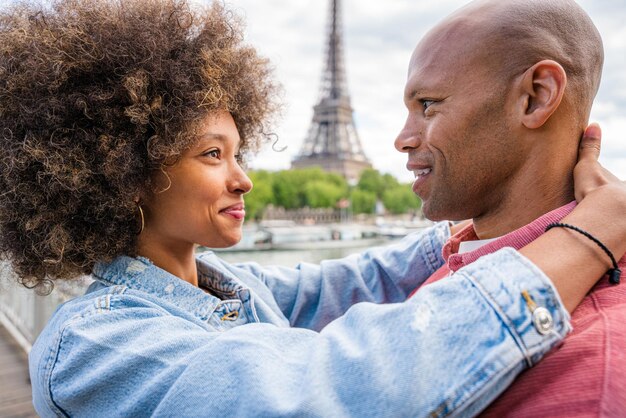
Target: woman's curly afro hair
(95, 95)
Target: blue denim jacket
(333, 340)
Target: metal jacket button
(542, 320)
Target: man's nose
(409, 138)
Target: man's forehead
(426, 76)
(438, 50)
(451, 48)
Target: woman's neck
(178, 260)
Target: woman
(123, 125)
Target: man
(498, 95)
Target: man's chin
(438, 213)
(435, 218)
(429, 212)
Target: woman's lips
(236, 211)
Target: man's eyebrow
(412, 95)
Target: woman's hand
(573, 262)
(589, 175)
(600, 194)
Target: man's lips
(419, 169)
(421, 172)
(237, 211)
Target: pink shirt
(586, 375)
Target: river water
(291, 258)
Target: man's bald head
(513, 35)
(498, 95)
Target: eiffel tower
(332, 142)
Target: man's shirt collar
(516, 239)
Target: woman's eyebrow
(211, 135)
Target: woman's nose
(240, 182)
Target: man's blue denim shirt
(332, 340)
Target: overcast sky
(379, 37)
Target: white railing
(24, 313)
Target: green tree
(400, 199)
(261, 195)
(286, 189)
(371, 181)
(374, 182)
(389, 182)
(313, 187)
(291, 190)
(338, 181)
(362, 201)
(322, 194)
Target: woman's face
(204, 202)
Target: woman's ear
(542, 87)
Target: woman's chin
(223, 242)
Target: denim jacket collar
(141, 274)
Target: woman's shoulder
(108, 303)
(100, 298)
(98, 334)
(102, 312)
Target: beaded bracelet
(614, 273)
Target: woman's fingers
(590, 144)
(588, 173)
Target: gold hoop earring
(143, 221)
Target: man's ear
(542, 87)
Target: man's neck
(528, 198)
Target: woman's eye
(214, 153)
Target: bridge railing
(24, 313)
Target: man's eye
(427, 103)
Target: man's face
(457, 134)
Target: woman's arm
(312, 295)
(451, 348)
(573, 262)
(388, 274)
